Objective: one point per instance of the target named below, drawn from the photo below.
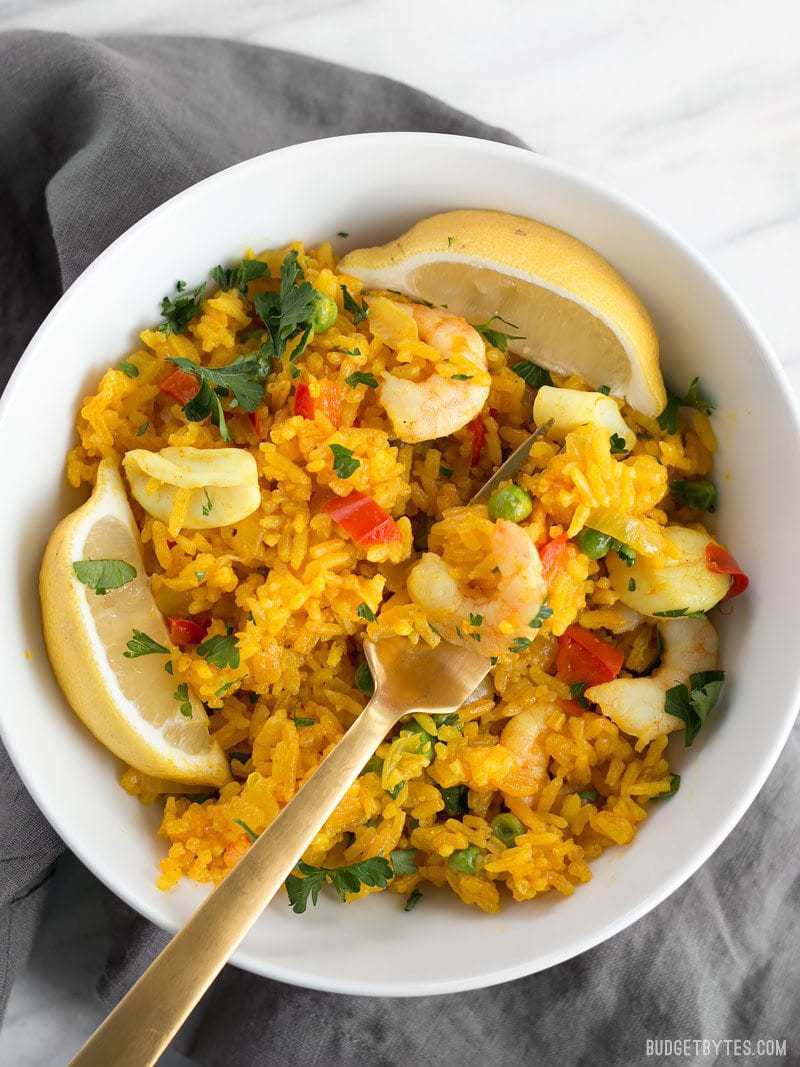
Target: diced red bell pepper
(552, 554)
(330, 401)
(181, 386)
(720, 561)
(186, 631)
(303, 401)
(362, 519)
(477, 430)
(572, 707)
(582, 657)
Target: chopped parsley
(141, 644)
(178, 311)
(181, 694)
(364, 678)
(631, 585)
(402, 860)
(519, 644)
(288, 313)
(576, 691)
(359, 377)
(588, 796)
(604, 389)
(542, 615)
(668, 419)
(302, 720)
(364, 611)
(414, 897)
(243, 378)
(374, 765)
(700, 494)
(455, 799)
(224, 688)
(395, 792)
(532, 374)
(220, 651)
(679, 613)
(145, 426)
(130, 369)
(343, 233)
(250, 833)
(497, 338)
(693, 703)
(450, 241)
(103, 574)
(375, 872)
(446, 471)
(695, 398)
(475, 620)
(343, 462)
(674, 786)
(617, 444)
(208, 507)
(461, 378)
(239, 277)
(358, 311)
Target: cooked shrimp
(505, 615)
(522, 736)
(438, 406)
(636, 705)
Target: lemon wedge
(573, 312)
(129, 704)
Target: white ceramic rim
(739, 804)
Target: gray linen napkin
(93, 134)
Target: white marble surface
(691, 109)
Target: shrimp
(636, 705)
(438, 406)
(522, 736)
(505, 615)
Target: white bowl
(374, 186)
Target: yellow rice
(290, 585)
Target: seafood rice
(376, 428)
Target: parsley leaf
(250, 833)
(177, 312)
(461, 378)
(668, 419)
(674, 786)
(695, 398)
(343, 462)
(364, 678)
(532, 374)
(395, 792)
(181, 694)
(475, 620)
(542, 615)
(342, 233)
(359, 377)
(143, 428)
(141, 644)
(455, 799)
(693, 703)
(632, 585)
(128, 368)
(604, 389)
(700, 494)
(358, 311)
(220, 651)
(679, 613)
(288, 313)
(208, 507)
(364, 611)
(519, 644)
(414, 897)
(239, 277)
(498, 338)
(375, 872)
(402, 860)
(103, 574)
(302, 720)
(576, 691)
(244, 378)
(617, 444)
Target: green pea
(510, 502)
(593, 543)
(324, 314)
(507, 828)
(465, 860)
(455, 799)
(589, 796)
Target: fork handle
(141, 1026)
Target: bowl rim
(242, 957)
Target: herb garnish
(680, 613)
(181, 694)
(343, 462)
(302, 720)
(143, 428)
(250, 833)
(178, 311)
(604, 389)
(631, 585)
(141, 644)
(364, 611)
(519, 644)
(475, 620)
(220, 651)
(128, 368)
(674, 786)
(343, 233)
(668, 419)
(364, 678)
(402, 860)
(617, 444)
(208, 507)
(532, 374)
(455, 799)
(239, 277)
(700, 494)
(103, 574)
(358, 311)
(576, 691)
(694, 702)
(372, 872)
(243, 378)
(542, 615)
(287, 314)
(414, 897)
(360, 377)
(498, 338)
(461, 378)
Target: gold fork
(408, 679)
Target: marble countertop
(693, 111)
